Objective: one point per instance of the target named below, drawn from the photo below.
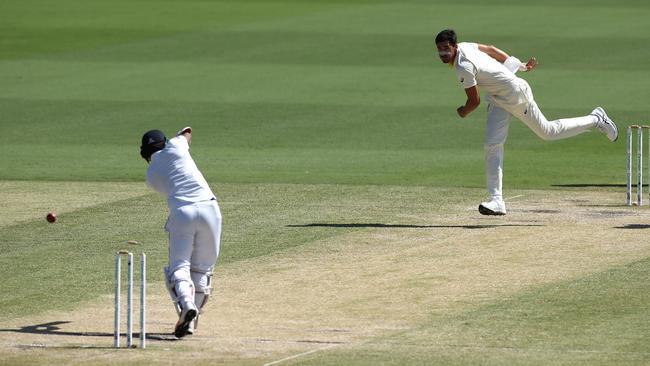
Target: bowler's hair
(447, 35)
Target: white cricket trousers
(194, 242)
(528, 112)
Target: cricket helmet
(152, 141)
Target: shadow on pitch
(53, 328)
(633, 226)
(590, 185)
(406, 226)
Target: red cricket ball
(51, 217)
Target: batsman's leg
(181, 227)
(206, 252)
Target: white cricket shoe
(185, 319)
(494, 207)
(193, 325)
(605, 124)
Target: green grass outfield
(335, 112)
(307, 91)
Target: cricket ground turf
(348, 186)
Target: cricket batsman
(493, 70)
(194, 223)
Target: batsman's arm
(187, 133)
(473, 101)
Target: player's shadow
(53, 328)
(633, 226)
(590, 185)
(408, 226)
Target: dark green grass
(305, 91)
(277, 143)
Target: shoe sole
(486, 211)
(615, 129)
(181, 329)
(609, 121)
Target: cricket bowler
(491, 69)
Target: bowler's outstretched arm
(501, 56)
(494, 52)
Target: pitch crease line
(300, 355)
(512, 198)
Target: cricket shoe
(492, 208)
(193, 325)
(605, 124)
(185, 319)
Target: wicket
(129, 300)
(639, 163)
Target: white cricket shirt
(475, 67)
(174, 173)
